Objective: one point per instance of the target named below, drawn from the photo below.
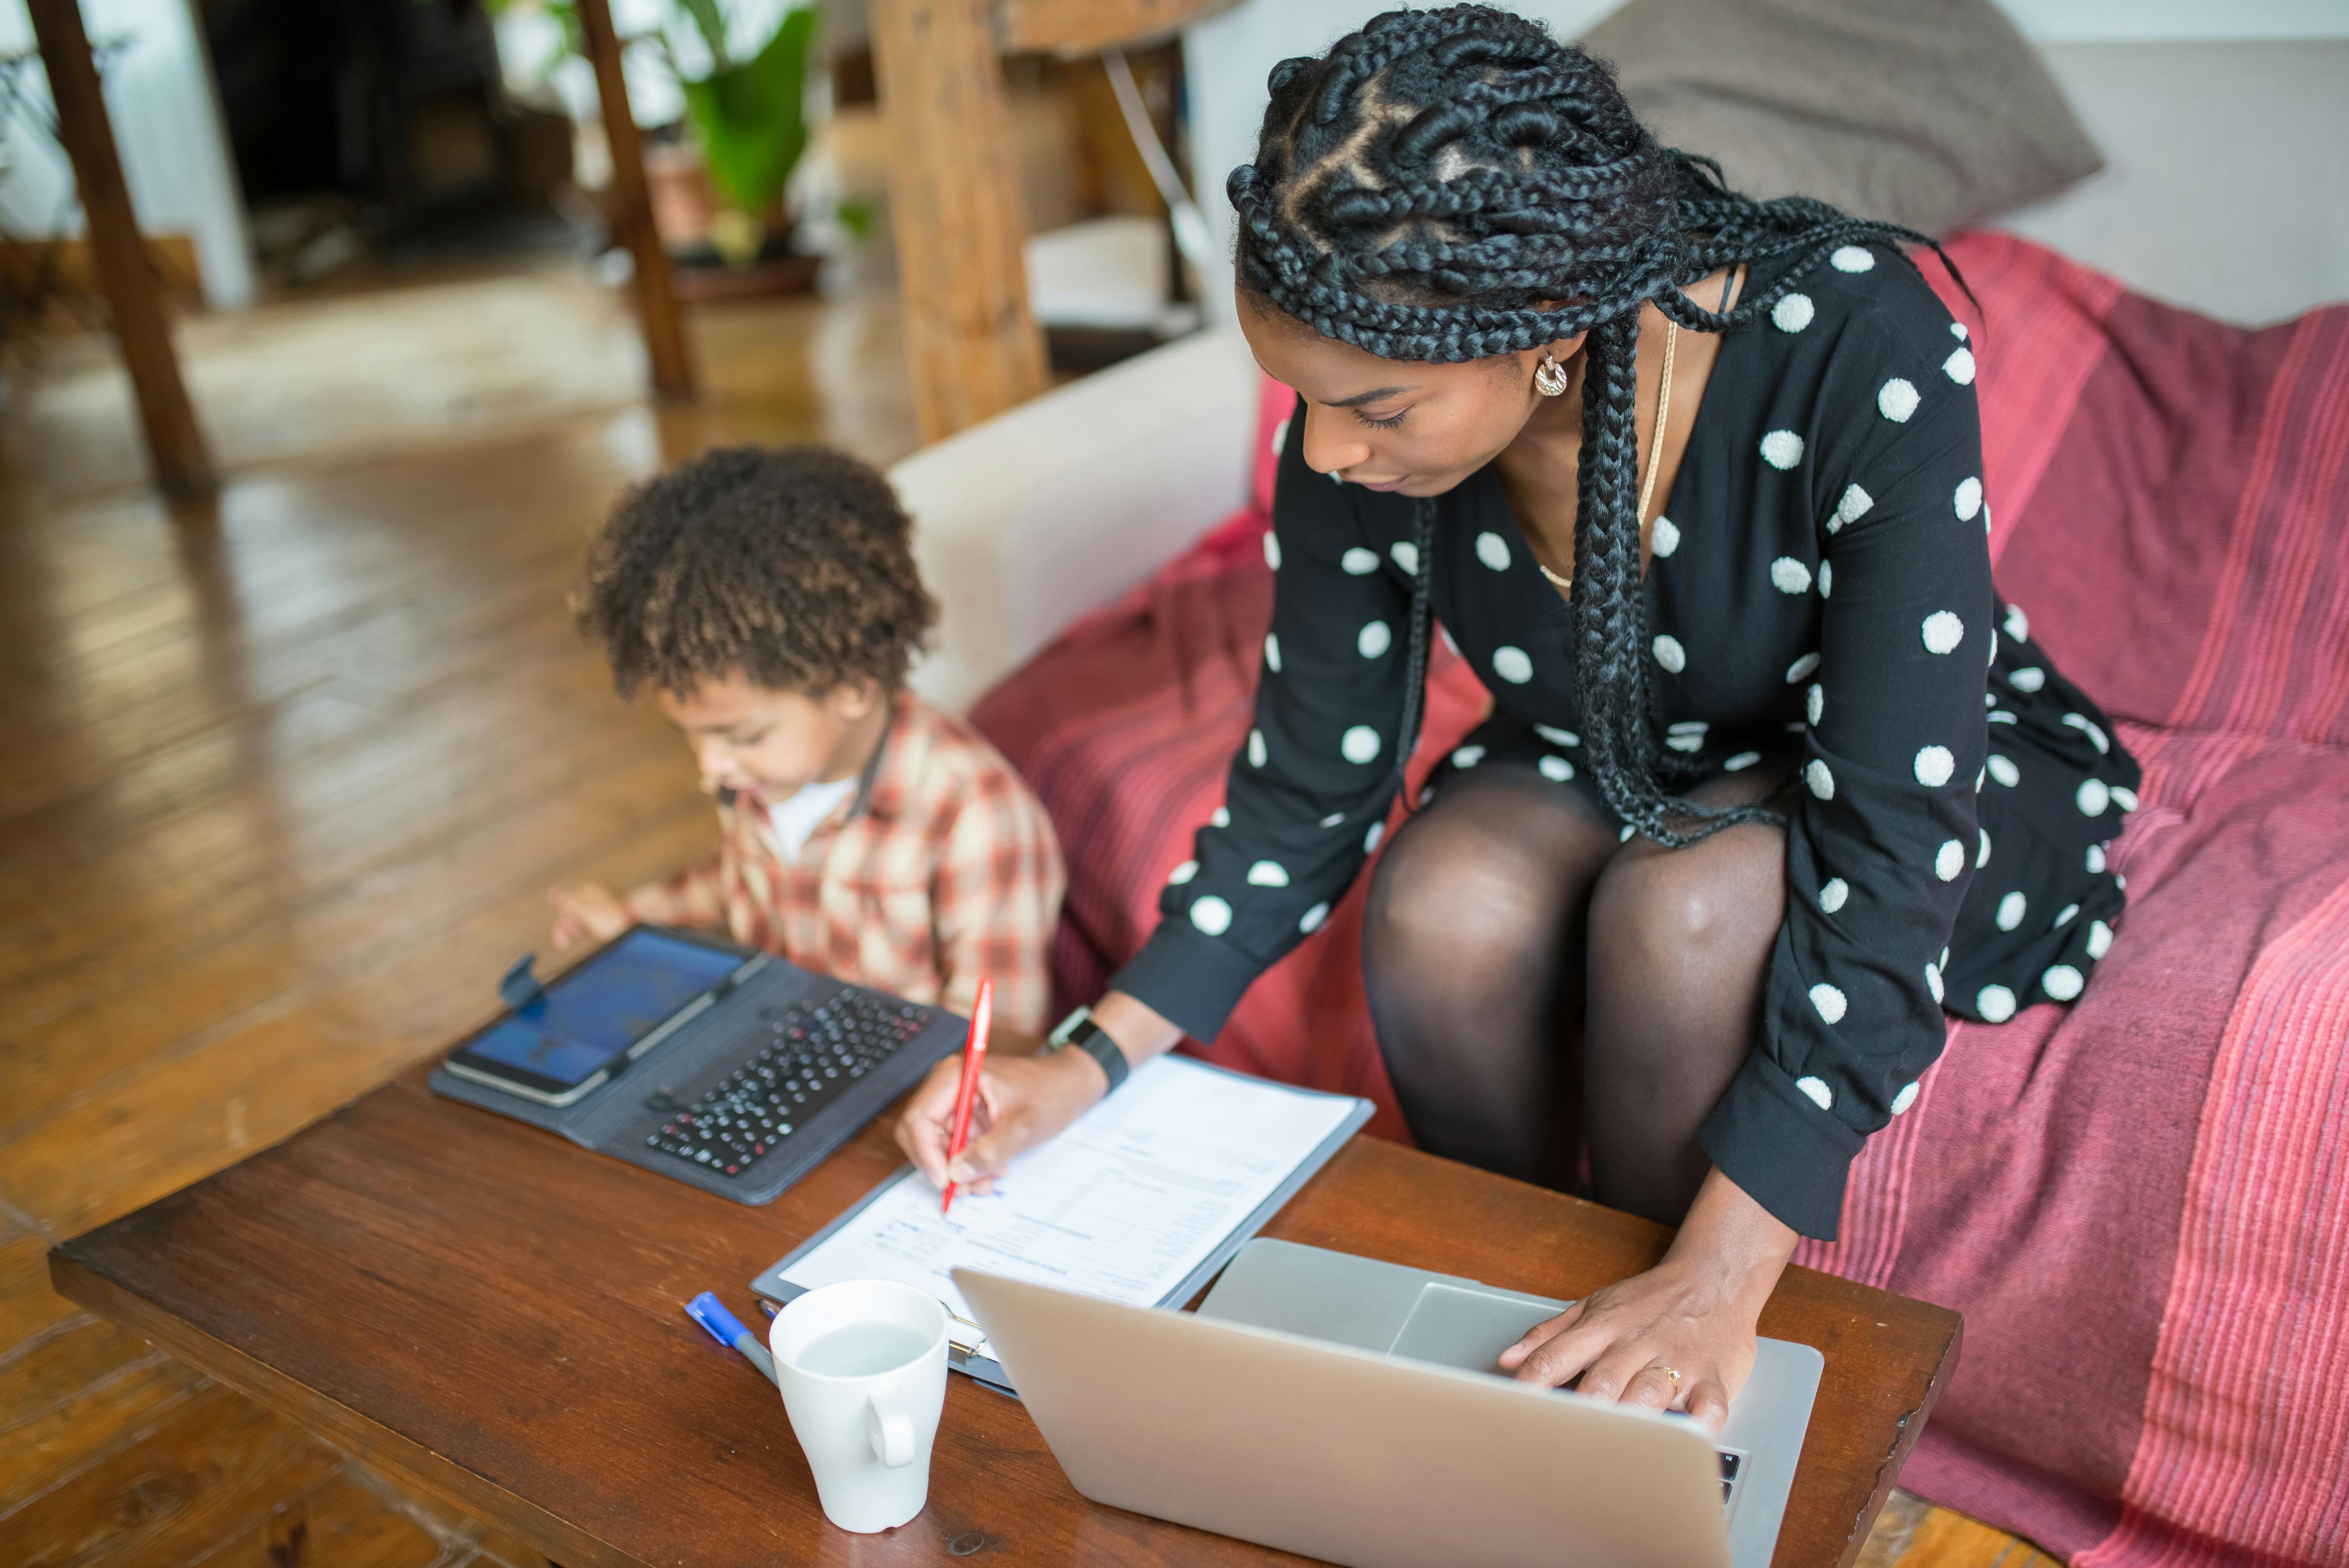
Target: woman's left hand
(1693, 1314)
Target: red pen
(974, 1056)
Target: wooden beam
(1071, 27)
(632, 209)
(175, 443)
(955, 202)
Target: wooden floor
(282, 783)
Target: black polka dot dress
(1820, 602)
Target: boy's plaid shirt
(939, 870)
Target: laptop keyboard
(797, 1061)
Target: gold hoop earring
(1549, 380)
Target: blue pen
(727, 1330)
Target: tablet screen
(599, 1010)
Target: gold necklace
(1655, 447)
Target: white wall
(166, 127)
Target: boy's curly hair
(793, 566)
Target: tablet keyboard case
(619, 1117)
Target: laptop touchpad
(1465, 1328)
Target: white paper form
(1124, 1204)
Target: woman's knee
(1691, 912)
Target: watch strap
(1077, 1029)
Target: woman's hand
(587, 912)
(1022, 1100)
(1692, 1314)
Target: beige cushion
(1926, 113)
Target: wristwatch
(1078, 1029)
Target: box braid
(1456, 184)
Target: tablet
(604, 1012)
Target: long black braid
(1456, 184)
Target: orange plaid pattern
(940, 870)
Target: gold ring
(1671, 1372)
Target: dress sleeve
(1882, 840)
(1309, 792)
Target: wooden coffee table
(495, 1316)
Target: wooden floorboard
(288, 780)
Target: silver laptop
(1351, 1411)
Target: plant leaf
(750, 117)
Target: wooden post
(954, 199)
(632, 204)
(142, 328)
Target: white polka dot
(1555, 736)
(1830, 1003)
(1333, 819)
(1827, 578)
(1995, 1003)
(1950, 860)
(1934, 766)
(2087, 727)
(2062, 982)
(1272, 550)
(1782, 449)
(1816, 1089)
(1821, 781)
(1468, 757)
(1358, 563)
(1336, 478)
(1665, 536)
(1814, 703)
(1802, 668)
(1512, 665)
(1670, 654)
(1311, 921)
(2096, 860)
(1960, 367)
(2027, 679)
(1958, 330)
(1268, 873)
(2124, 798)
(1686, 736)
(1851, 508)
(1943, 632)
(1895, 400)
(2010, 910)
(1406, 555)
(1281, 436)
(1980, 774)
(1373, 639)
(2003, 770)
(1271, 647)
(1444, 632)
(2093, 796)
(1997, 715)
(1851, 259)
(1256, 749)
(1625, 836)
(1493, 551)
(1905, 1098)
(2120, 882)
(1182, 873)
(1211, 915)
(1360, 744)
(1741, 762)
(1371, 839)
(2018, 625)
(1222, 817)
(1793, 312)
(1982, 857)
(1967, 499)
(1558, 769)
(2064, 917)
(1788, 575)
(1933, 980)
(2100, 939)
(1832, 896)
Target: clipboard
(963, 1355)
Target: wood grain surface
(498, 1314)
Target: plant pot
(701, 276)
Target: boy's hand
(587, 912)
(1023, 1100)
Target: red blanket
(2139, 1205)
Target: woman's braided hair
(1456, 184)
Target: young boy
(769, 599)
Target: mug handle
(890, 1430)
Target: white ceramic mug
(862, 1366)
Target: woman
(1771, 777)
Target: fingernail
(960, 1171)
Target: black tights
(1505, 913)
